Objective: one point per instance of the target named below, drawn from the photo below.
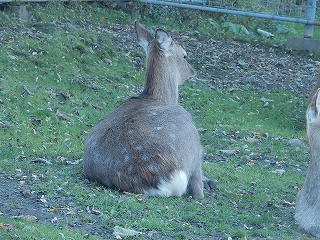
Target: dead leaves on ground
(41, 160)
(138, 197)
(252, 154)
(92, 210)
(7, 226)
(23, 177)
(63, 116)
(5, 124)
(256, 138)
(229, 152)
(266, 101)
(60, 159)
(29, 218)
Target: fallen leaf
(242, 63)
(279, 171)
(246, 227)
(42, 199)
(14, 236)
(5, 125)
(54, 220)
(41, 160)
(6, 226)
(121, 198)
(123, 232)
(97, 107)
(95, 212)
(289, 204)
(263, 99)
(92, 211)
(250, 163)
(35, 177)
(63, 116)
(230, 152)
(62, 236)
(74, 162)
(27, 90)
(29, 218)
(141, 197)
(251, 140)
(60, 159)
(53, 209)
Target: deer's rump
(141, 145)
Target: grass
(29, 229)
(56, 69)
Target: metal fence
(298, 11)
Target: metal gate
(298, 11)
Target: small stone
(69, 26)
(295, 142)
(126, 75)
(248, 80)
(3, 33)
(281, 63)
(107, 61)
(71, 37)
(279, 171)
(5, 17)
(25, 193)
(308, 66)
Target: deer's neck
(313, 175)
(315, 158)
(314, 142)
(160, 84)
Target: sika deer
(149, 144)
(308, 199)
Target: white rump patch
(176, 186)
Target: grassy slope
(40, 75)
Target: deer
(307, 212)
(149, 144)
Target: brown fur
(149, 142)
(308, 199)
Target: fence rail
(228, 11)
(22, 1)
(309, 20)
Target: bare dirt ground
(222, 64)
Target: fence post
(311, 14)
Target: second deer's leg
(195, 186)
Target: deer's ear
(313, 111)
(163, 39)
(144, 36)
(311, 114)
(317, 100)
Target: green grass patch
(27, 228)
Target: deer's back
(140, 144)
